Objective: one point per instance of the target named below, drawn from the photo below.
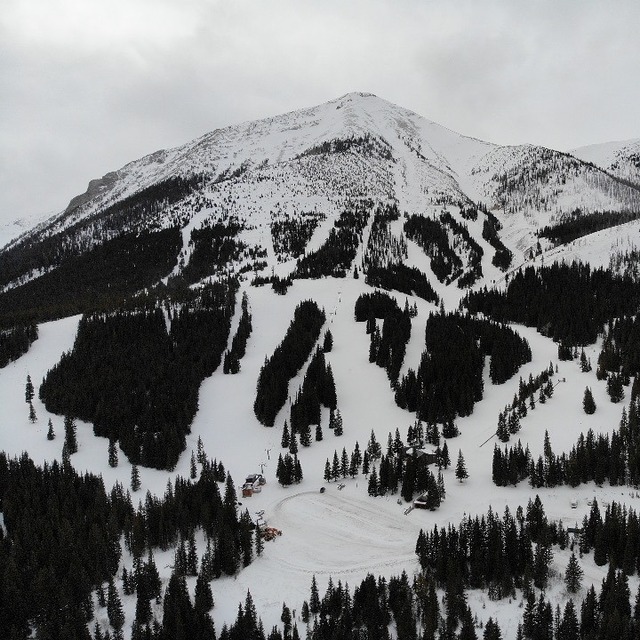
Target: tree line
(336, 255)
(138, 381)
(15, 342)
(456, 342)
(287, 359)
(61, 543)
(569, 303)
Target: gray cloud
(87, 87)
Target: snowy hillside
(621, 159)
(171, 256)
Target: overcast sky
(88, 85)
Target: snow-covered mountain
(313, 162)
(621, 159)
(318, 203)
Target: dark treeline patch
(376, 304)
(459, 343)
(595, 458)
(97, 280)
(475, 252)
(490, 227)
(387, 348)
(433, 238)
(400, 277)
(370, 145)
(621, 348)
(137, 382)
(318, 388)
(291, 234)
(335, 256)
(15, 342)
(570, 303)
(578, 224)
(43, 253)
(238, 348)
(63, 533)
(286, 361)
(214, 246)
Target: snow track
(335, 534)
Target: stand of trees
(400, 277)
(602, 458)
(318, 388)
(432, 236)
(232, 357)
(137, 381)
(459, 343)
(61, 542)
(286, 361)
(579, 223)
(335, 256)
(490, 227)
(97, 280)
(570, 303)
(213, 246)
(291, 234)
(15, 342)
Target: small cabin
(421, 502)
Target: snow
(341, 533)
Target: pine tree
(588, 403)
(338, 430)
(29, 391)
(135, 478)
(50, 434)
(114, 608)
(327, 345)
(327, 471)
(32, 413)
(461, 469)
(202, 458)
(446, 460)
(573, 575)
(293, 444)
(284, 443)
(70, 440)
(318, 433)
(113, 453)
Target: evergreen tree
(569, 628)
(573, 575)
(29, 391)
(318, 433)
(113, 453)
(327, 471)
(135, 478)
(193, 470)
(284, 443)
(32, 413)
(50, 433)
(327, 344)
(70, 439)
(114, 608)
(588, 403)
(338, 429)
(461, 469)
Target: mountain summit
(277, 185)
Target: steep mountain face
(621, 159)
(259, 195)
